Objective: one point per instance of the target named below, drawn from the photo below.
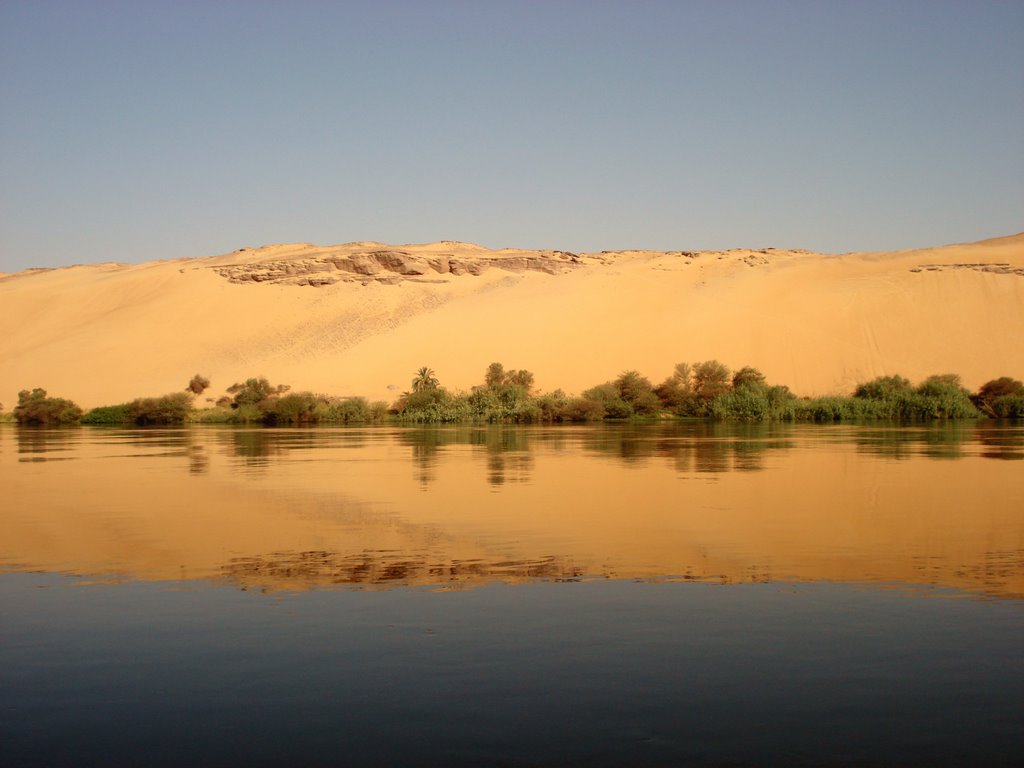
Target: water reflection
(697, 447)
(35, 444)
(1001, 441)
(301, 508)
(386, 567)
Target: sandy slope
(342, 320)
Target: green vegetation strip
(707, 390)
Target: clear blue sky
(138, 130)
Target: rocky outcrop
(997, 268)
(389, 267)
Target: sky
(133, 131)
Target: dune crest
(361, 317)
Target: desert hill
(360, 318)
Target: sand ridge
(361, 317)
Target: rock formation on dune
(387, 266)
(360, 318)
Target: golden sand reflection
(300, 509)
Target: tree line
(708, 390)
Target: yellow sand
(106, 333)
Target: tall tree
(424, 380)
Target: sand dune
(360, 318)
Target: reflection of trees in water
(198, 460)
(508, 454)
(691, 447)
(943, 440)
(1001, 441)
(507, 449)
(696, 447)
(256, 446)
(49, 444)
(503, 468)
(385, 567)
(41, 443)
(425, 443)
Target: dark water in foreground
(637, 596)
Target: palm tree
(425, 379)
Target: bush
(833, 408)
(583, 409)
(378, 411)
(169, 409)
(109, 414)
(433, 405)
(710, 379)
(353, 410)
(941, 397)
(552, 405)
(755, 401)
(609, 398)
(937, 397)
(296, 408)
(884, 388)
(1005, 392)
(636, 390)
(1008, 407)
(197, 384)
(36, 409)
(217, 415)
(257, 392)
(747, 376)
(503, 402)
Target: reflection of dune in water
(316, 508)
(304, 570)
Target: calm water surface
(658, 595)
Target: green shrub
(109, 414)
(1004, 391)
(378, 411)
(353, 410)
(1008, 407)
(832, 408)
(36, 409)
(433, 405)
(636, 390)
(583, 409)
(941, 397)
(710, 379)
(884, 388)
(217, 415)
(676, 392)
(552, 406)
(256, 391)
(610, 399)
(168, 409)
(747, 376)
(755, 401)
(246, 414)
(296, 408)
